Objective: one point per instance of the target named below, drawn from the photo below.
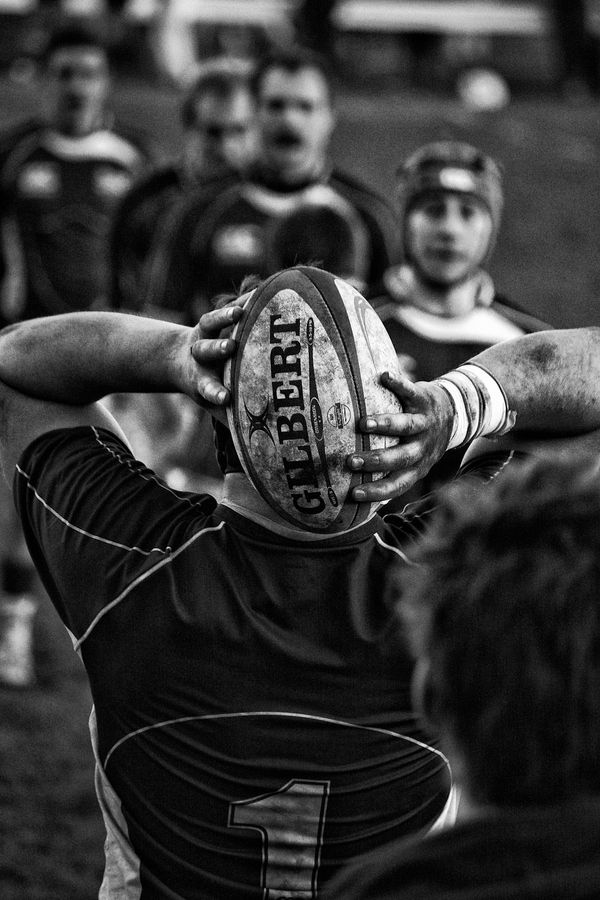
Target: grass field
(547, 258)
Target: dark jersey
(143, 219)
(222, 234)
(58, 195)
(252, 719)
(134, 228)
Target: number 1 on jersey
(291, 822)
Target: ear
(333, 120)
(421, 689)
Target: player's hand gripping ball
(311, 351)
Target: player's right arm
(54, 370)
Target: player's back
(254, 727)
(270, 732)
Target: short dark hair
(291, 60)
(220, 76)
(504, 603)
(321, 235)
(75, 35)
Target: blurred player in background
(223, 235)
(231, 229)
(502, 611)
(60, 180)
(217, 122)
(60, 184)
(440, 306)
(217, 118)
(253, 727)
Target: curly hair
(504, 603)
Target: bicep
(22, 419)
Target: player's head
(76, 80)
(326, 232)
(502, 608)
(217, 116)
(295, 115)
(451, 202)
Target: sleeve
(488, 464)
(408, 526)
(96, 520)
(520, 316)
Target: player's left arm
(551, 383)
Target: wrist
(480, 405)
(178, 361)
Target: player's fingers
(395, 425)
(211, 323)
(398, 458)
(206, 350)
(400, 385)
(393, 485)
(211, 390)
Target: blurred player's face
(223, 136)
(77, 89)
(448, 236)
(295, 120)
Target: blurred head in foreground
(502, 609)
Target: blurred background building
(427, 44)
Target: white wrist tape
(480, 404)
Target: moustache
(288, 139)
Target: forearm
(80, 357)
(551, 378)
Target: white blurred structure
(482, 89)
(173, 22)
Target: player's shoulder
(11, 135)
(363, 196)
(206, 199)
(138, 138)
(19, 141)
(401, 528)
(518, 315)
(217, 189)
(153, 183)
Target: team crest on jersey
(41, 179)
(239, 243)
(110, 182)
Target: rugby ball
(310, 354)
